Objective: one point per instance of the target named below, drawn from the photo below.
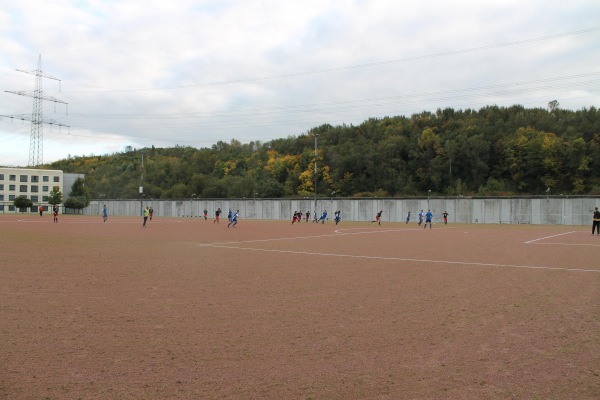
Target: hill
(491, 151)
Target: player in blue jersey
(234, 219)
(428, 218)
(323, 217)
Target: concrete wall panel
(550, 211)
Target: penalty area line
(408, 259)
(335, 234)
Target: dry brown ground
(187, 309)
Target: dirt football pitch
(191, 309)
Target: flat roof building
(35, 184)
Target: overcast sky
(193, 72)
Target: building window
(45, 188)
(34, 208)
(1, 197)
(1, 186)
(34, 199)
(11, 197)
(22, 178)
(1, 207)
(57, 179)
(1, 177)
(12, 187)
(45, 178)
(35, 179)
(23, 188)
(44, 198)
(12, 177)
(34, 188)
(11, 208)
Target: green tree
(492, 150)
(55, 196)
(428, 160)
(179, 191)
(80, 191)
(22, 203)
(270, 188)
(74, 203)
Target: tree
(55, 196)
(74, 203)
(492, 150)
(22, 203)
(80, 191)
(270, 188)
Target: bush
(74, 203)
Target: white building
(35, 184)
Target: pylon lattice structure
(36, 144)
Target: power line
(505, 88)
(358, 66)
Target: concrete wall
(541, 211)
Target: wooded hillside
(492, 151)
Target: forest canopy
(491, 151)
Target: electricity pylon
(36, 144)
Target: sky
(194, 72)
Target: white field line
(335, 234)
(406, 259)
(92, 221)
(572, 244)
(548, 237)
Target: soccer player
(596, 222)
(104, 213)
(428, 217)
(234, 219)
(445, 215)
(378, 217)
(323, 217)
(146, 215)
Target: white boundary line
(90, 221)
(571, 244)
(548, 237)
(406, 259)
(335, 234)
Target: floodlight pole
(142, 188)
(315, 173)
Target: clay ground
(187, 309)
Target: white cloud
(193, 72)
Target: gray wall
(540, 211)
